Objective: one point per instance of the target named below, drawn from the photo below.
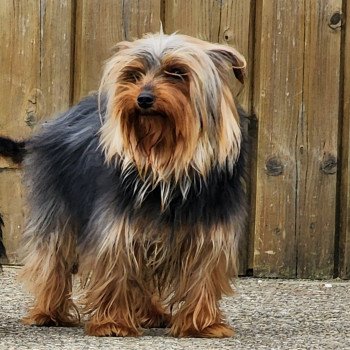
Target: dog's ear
(226, 54)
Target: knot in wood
(228, 35)
(336, 20)
(329, 164)
(274, 166)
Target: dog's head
(170, 110)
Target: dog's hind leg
(47, 273)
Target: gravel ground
(267, 314)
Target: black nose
(145, 99)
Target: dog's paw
(41, 319)
(216, 330)
(110, 329)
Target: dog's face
(169, 105)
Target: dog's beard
(151, 136)
(153, 132)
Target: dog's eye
(176, 73)
(132, 76)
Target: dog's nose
(145, 99)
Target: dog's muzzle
(145, 99)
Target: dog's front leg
(205, 275)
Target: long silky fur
(145, 237)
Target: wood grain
(20, 66)
(35, 82)
(100, 24)
(317, 138)
(277, 102)
(298, 124)
(344, 266)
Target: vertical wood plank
(100, 24)
(344, 258)
(226, 22)
(317, 142)
(56, 55)
(19, 68)
(197, 18)
(34, 76)
(277, 103)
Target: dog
(140, 189)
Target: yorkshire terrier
(140, 188)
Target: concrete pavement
(266, 314)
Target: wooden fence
(298, 93)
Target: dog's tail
(12, 149)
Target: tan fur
(168, 150)
(138, 277)
(47, 274)
(138, 274)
